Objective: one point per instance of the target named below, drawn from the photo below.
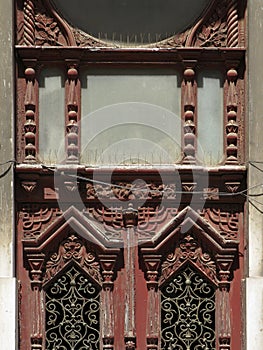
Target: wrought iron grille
(72, 312)
(188, 312)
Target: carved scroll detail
(29, 23)
(188, 249)
(73, 249)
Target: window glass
(51, 115)
(130, 116)
(210, 117)
(131, 22)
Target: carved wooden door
(142, 253)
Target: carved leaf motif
(214, 31)
(73, 249)
(47, 30)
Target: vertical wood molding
(130, 217)
(232, 125)
(72, 115)
(232, 24)
(30, 114)
(29, 23)
(189, 117)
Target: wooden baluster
(72, 125)
(223, 305)
(232, 125)
(30, 124)
(36, 264)
(189, 113)
(152, 263)
(107, 263)
(130, 217)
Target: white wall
(254, 281)
(7, 280)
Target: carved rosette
(72, 107)
(189, 113)
(232, 125)
(30, 124)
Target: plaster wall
(8, 298)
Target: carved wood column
(29, 22)
(152, 263)
(232, 125)
(107, 263)
(232, 24)
(130, 217)
(72, 115)
(36, 264)
(189, 117)
(224, 264)
(30, 110)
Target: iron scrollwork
(188, 312)
(72, 312)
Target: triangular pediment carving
(73, 221)
(189, 220)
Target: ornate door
(118, 251)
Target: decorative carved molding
(30, 108)
(73, 249)
(29, 22)
(47, 30)
(211, 193)
(213, 31)
(232, 24)
(226, 222)
(189, 117)
(29, 186)
(232, 125)
(35, 218)
(128, 191)
(188, 249)
(72, 106)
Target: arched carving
(189, 240)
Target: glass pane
(51, 116)
(131, 22)
(210, 117)
(130, 116)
